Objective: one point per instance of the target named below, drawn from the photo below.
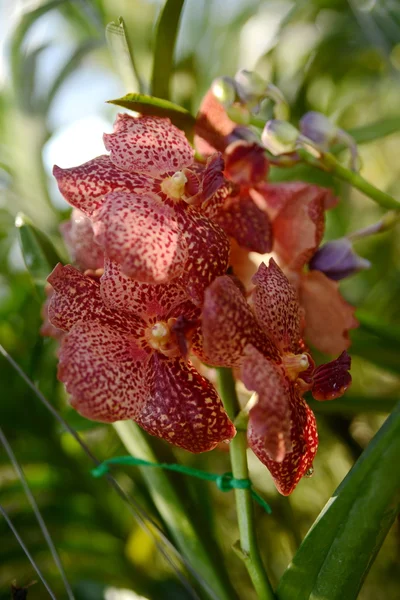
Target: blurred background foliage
(340, 57)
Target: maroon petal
(149, 145)
(270, 417)
(250, 226)
(246, 163)
(331, 380)
(183, 407)
(229, 324)
(304, 439)
(84, 187)
(104, 371)
(276, 307)
(142, 235)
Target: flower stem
(189, 533)
(249, 551)
(328, 162)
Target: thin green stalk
(328, 162)
(249, 551)
(200, 551)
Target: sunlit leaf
(157, 107)
(163, 56)
(336, 554)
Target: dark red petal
(84, 187)
(270, 417)
(250, 226)
(276, 307)
(183, 407)
(123, 293)
(331, 380)
(104, 371)
(304, 439)
(229, 324)
(149, 145)
(79, 238)
(142, 235)
(246, 163)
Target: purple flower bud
(279, 137)
(318, 128)
(338, 260)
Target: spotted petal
(243, 220)
(142, 235)
(304, 440)
(277, 307)
(79, 238)
(183, 407)
(331, 380)
(270, 417)
(229, 324)
(148, 145)
(104, 371)
(84, 187)
(328, 316)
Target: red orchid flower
(145, 201)
(264, 341)
(79, 239)
(119, 365)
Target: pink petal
(47, 329)
(304, 439)
(142, 235)
(84, 187)
(123, 293)
(270, 417)
(213, 126)
(104, 371)
(331, 380)
(328, 316)
(276, 307)
(241, 219)
(79, 238)
(76, 297)
(229, 324)
(148, 145)
(183, 407)
(246, 163)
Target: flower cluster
(152, 235)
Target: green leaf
(39, 254)
(166, 34)
(350, 405)
(157, 107)
(334, 558)
(118, 42)
(377, 342)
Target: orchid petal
(246, 163)
(270, 417)
(142, 235)
(331, 380)
(104, 372)
(304, 439)
(213, 126)
(84, 187)
(276, 307)
(328, 316)
(149, 145)
(183, 407)
(79, 238)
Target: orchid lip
(295, 364)
(174, 186)
(161, 338)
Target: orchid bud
(250, 85)
(338, 260)
(279, 137)
(318, 128)
(224, 90)
(239, 114)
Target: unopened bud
(224, 90)
(279, 137)
(318, 128)
(338, 260)
(250, 85)
(239, 114)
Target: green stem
(249, 551)
(199, 549)
(328, 162)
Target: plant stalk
(249, 551)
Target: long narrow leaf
(166, 34)
(118, 42)
(336, 554)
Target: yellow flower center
(160, 337)
(174, 186)
(295, 364)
